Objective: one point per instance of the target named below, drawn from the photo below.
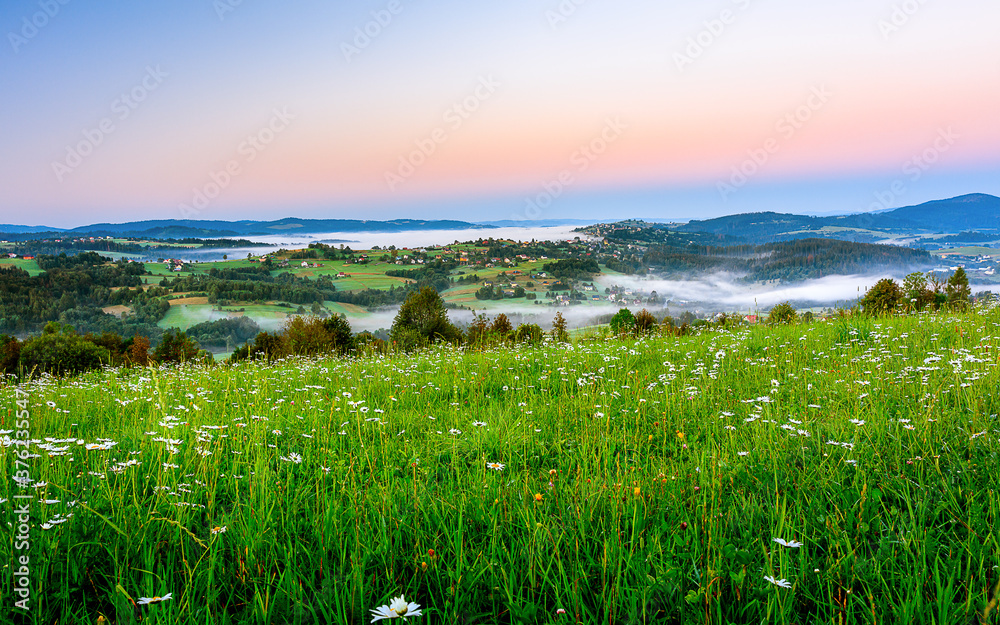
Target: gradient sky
(870, 85)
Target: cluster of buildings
(978, 264)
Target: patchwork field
(838, 472)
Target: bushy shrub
(623, 322)
(407, 339)
(341, 337)
(501, 327)
(268, 346)
(306, 337)
(10, 354)
(61, 351)
(645, 323)
(478, 331)
(423, 312)
(882, 299)
(783, 313)
(175, 347)
(529, 333)
(366, 343)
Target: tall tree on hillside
(559, 332)
(958, 290)
(423, 315)
(915, 291)
(341, 336)
(138, 351)
(623, 322)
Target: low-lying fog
(725, 293)
(365, 240)
(705, 296)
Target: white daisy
(397, 608)
(149, 600)
(794, 544)
(783, 583)
(496, 466)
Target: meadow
(31, 266)
(843, 471)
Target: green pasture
(971, 250)
(31, 266)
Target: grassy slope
(644, 482)
(31, 266)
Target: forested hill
(976, 211)
(967, 212)
(788, 261)
(814, 258)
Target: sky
(481, 111)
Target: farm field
(843, 471)
(972, 250)
(31, 266)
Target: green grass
(31, 266)
(971, 250)
(185, 316)
(644, 482)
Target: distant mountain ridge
(977, 211)
(14, 229)
(184, 228)
(973, 212)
